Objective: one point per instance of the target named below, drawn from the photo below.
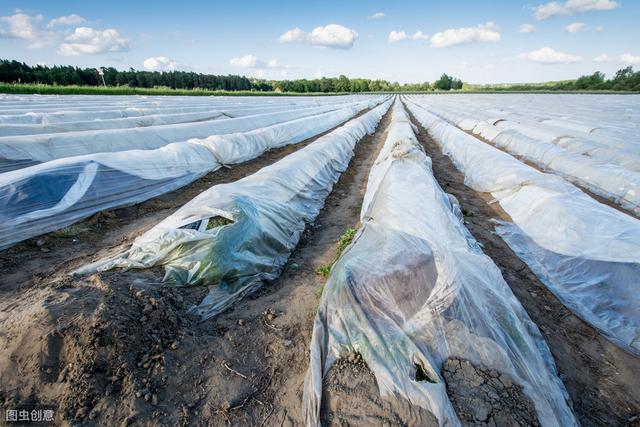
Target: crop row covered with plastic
(414, 289)
(586, 252)
(609, 172)
(233, 236)
(23, 150)
(51, 195)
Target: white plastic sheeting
(609, 180)
(587, 253)
(603, 120)
(233, 236)
(415, 288)
(20, 151)
(51, 195)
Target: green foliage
(446, 82)
(17, 72)
(624, 80)
(22, 78)
(344, 241)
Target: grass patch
(344, 241)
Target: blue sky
(478, 41)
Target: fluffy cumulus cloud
(333, 36)
(84, 40)
(26, 27)
(398, 36)
(87, 41)
(251, 61)
(575, 27)
(160, 63)
(484, 33)
(67, 20)
(377, 15)
(602, 58)
(548, 55)
(630, 59)
(526, 28)
(571, 7)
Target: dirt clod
(482, 396)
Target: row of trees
(18, 72)
(624, 80)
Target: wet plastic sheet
(586, 253)
(19, 151)
(54, 194)
(234, 236)
(415, 288)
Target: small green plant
(218, 221)
(344, 241)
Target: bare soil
(603, 381)
(350, 397)
(483, 396)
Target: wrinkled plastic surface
(586, 253)
(233, 236)
(415, 288)
(549, 147)
(52, 195)
(23, 150)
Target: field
(371, 259)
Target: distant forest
(17, 72)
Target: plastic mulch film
(586, 253)
(233, 236)
(24, 150)
(414, 289)
(610, 121)
(609, 180)
(52, 195)
(59, 122)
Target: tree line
(625, 79)
(61, 75)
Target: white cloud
(484, 33)
(575, 27)
(333, 36)
(26, 27)
(571, 7)
(602, 58)
(72, 19)
(628, 58)
(87, 41)
(295, 35)
(377, 15)
(251, 61)
(419, 35)
(599, 28)
(547, 55)
(160, 63)
(526, 28)
(398, 36)
(247, 61)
